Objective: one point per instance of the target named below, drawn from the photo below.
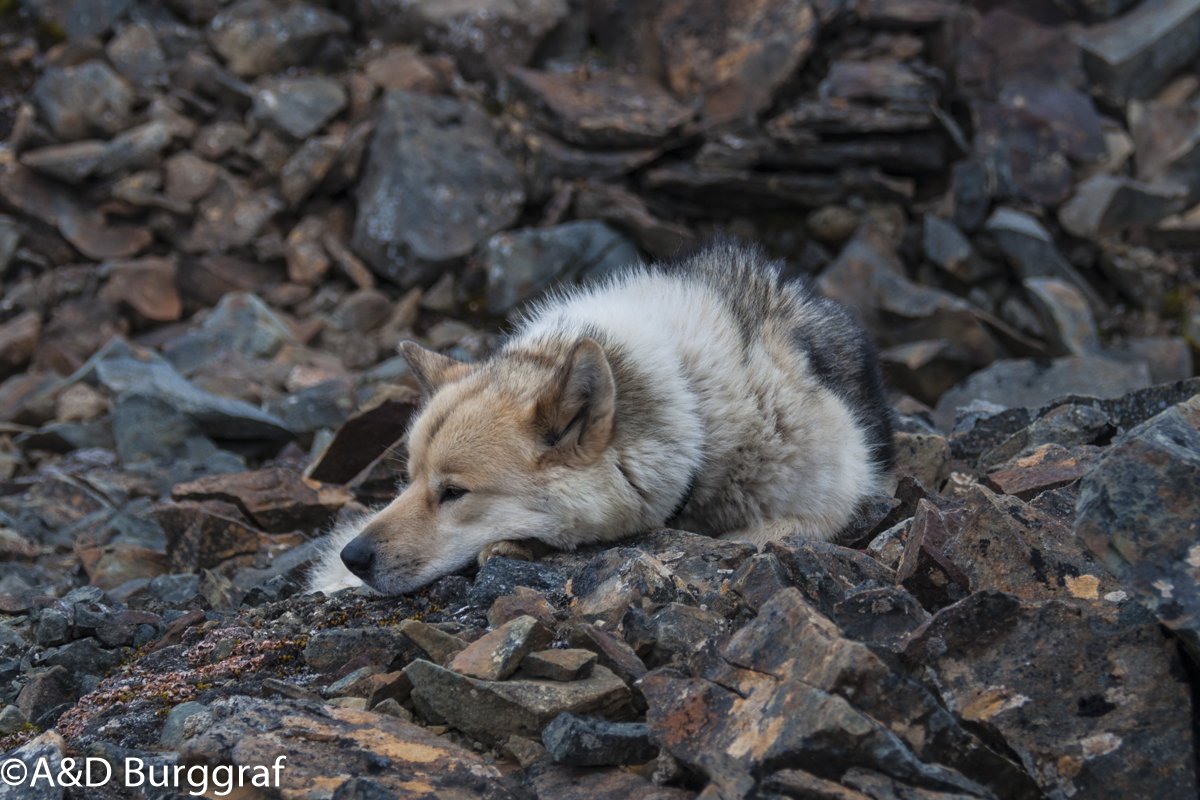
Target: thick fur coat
(707, 393)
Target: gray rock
(484, 36)
(1030, 249)
(326, 405)
(257, 36)
(10, 240)
(1027, 382)
(11, 720)
(946, 246)
(79, 18)
(328, 650)
(137, 55)
(89, 99)
(299, 106)
(174, 590)
(521, 264)
(1166, 139)
(53, 626)
(1138, 512)
(591, 742)
(1108, 204)
(1066, 318)
(48, 748)
(272, 590)
(240, 322)
(69, 163)
(1168, 357)
(499, 576)
(172, 730)
(149, 427)
(136, 148)
(1133, 56)
(497, 654)
(1068, 424)
(434, 187)
(490, 710)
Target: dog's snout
(358, 557)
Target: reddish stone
(146, 285)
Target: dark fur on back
(839, 351)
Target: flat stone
(1066, 317)
(1040, 677)
(202, 535)
(522, 264)
(591, 742)
(612, 653)
(299, 106)
(1005, 46)
(882, 618)
(147, 286)
(1138, 515)
(735, 59)
(602, 109)
(435, 185)
(18, 339)
(328, 650)
(558, 665)
(924, 569)
(219, 139)
(137, 55)
(69, 163)
(484, 36)
(1109, 204)
(827, 573)
(187, 177)
(230, 216)
(440, 646)
(1167, 143)
(489, 710)
(1031, 251)
(255, 36)
(1133, 56)
(278, 499)
(1067, 424)
(83, 225)
(384, 417)
(924, 457)
(341, 750)
(240, 322)
(1048, 466)
(496, 655)
(597, 783)
(946, 246)
(305, 170)
(523, 601)
(83, 100)
(1020, 382)
(500, 576)
(879, 81)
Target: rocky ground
(218, 219)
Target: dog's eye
(452, 493)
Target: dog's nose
(358, 556)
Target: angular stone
(402, 67)
(762, 191)
(613, 653)
(299, 106)
(1066, 318)
(147, 286)
(435, 186)
(1031, 251)
(500, 576)
(1019, 382)
(880, 81)
(881, 618)
(736, 57)
(440, 646)
(590, 742)
(521, 602)
(602, 109)
(496, 655)
(327, 651)
(490, 710)
(255, 36)
(137, 55)
(949, 249)
(18, 339)
(619, 578)
(231, 216)
(1005, 46)
(308, 167)
(384, 417)
(558, 665)
(1133, 56)
(589, 783)
(1068, 691)
(188, 178)
(924, 569)
(484, 36)
(200, 536)
(45, 691)
(69, 163)
(1068, 424)
(759, 579)
(240, 322)
(521, 264)
(924, 457)
(1048, 466)
(627, 212)
(1109, 204)
(1138, 514)
(219, 139)
(306, 258)
(1167, 143)
(827, 573)
(338, 747)
(83, 100)
(83, 225)
(278, 499)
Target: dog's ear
(575, 414)
(432, 370)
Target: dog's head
(493, 455)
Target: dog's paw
(509, 548)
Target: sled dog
(707, 394)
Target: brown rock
(112, 565)
(200, 535)
(1010, 546)
(344, 747)
(366, 435)
(602, 109)
(206, 280)
(76, 330)
(626, 211)
(490, 710)
(558, 665)
(147, 286)
(923, 457)
(617, 579)
(440, 646)
(1049, 466)
(734, 56)
(932, 578)
(44, 691)
(1069, 690)
(351, 265)
(401, 67)
(523, 601)
(306, 258)
(230, 216)
(277, 499)
(496, 655)
(18, 340)
(614, 654)
(188, 178)
(309, 166)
